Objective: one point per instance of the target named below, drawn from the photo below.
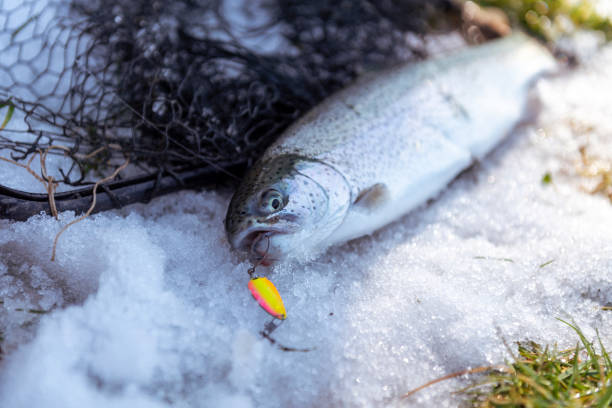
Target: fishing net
(190, 92)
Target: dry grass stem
(453, 375)
(596, 168)
(112, 146)
(27, 167)
(51, 184)
(47, 181)
(93, 205)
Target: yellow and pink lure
(268, 297)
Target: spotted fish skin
(377, 149)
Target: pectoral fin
(372, 197)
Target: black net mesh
(187, 84)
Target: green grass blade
(9, 113)
(547, 263)
(544, 376)
(604, 353)
(605, 399)
(575, 370)
(587, 345)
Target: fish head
(282, 209)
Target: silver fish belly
(377, 149)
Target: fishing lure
(266, 294)
(270, 300)
(264, 291)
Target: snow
(148, 307)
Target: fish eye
(271, 201)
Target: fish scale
(396, 137)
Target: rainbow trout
(379, 148)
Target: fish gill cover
(180, 85)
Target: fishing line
(251, 270)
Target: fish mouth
(253, 241)
(244, 241)
(260, 248)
